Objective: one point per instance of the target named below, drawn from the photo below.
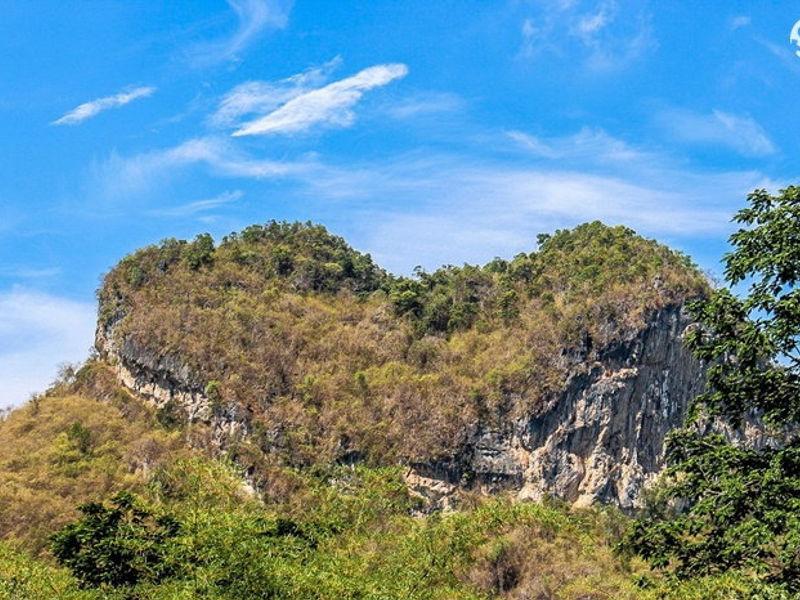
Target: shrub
(118, 545)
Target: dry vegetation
(329, 355)
(59, 451)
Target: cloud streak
(739, 133)
(475, 205)
(265, 96)
(452, 211)
(329, 106)
(121, 176)
(611, 36)
(254, 17)
(199, 206)
(87, 110)
(425, 103)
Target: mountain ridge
(296, 349)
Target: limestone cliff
(557, 372)
(600, 438)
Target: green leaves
(200, 252)
(721, 507)
(117, 545)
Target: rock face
(167, 382)
(600, 439)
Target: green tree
(721, 506)
(200, 252)
(120, 545)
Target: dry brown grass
(60, 451)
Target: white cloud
(530, 35)
(21, 272)
(120, 175)
(472, 211)
(199, 206)
(254, 16)
(478, 204)
(609, 36)
(589, 25)
(330, 105)
(94, 107)
(447, 209)
(533, 144)
(588, 144)
(37, 333)
(739, 133)
(265, 96)
(425, 103)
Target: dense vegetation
(327, 356)
(723, 506)
(57, 452)
(187, 528)
(104, 497)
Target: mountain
(557, 372)
(275, 416)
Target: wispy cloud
(587, 145)
(331, 105)
(199, 206)
(425, 103)
(451, 210)
(38, 332)
(474, 204)
(607, 36)
(254, 17)
(22, 272)
(90, 109)
(739, 133)
(260, 97)
(120, 176)
(738, 22)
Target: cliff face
(600, 438)
(167, 383)
(558, 372)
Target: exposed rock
(168, 383)
(601, 438)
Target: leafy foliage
(332, 356)
(119, 545)
(67, 450)
(347, 533)
(724, 507)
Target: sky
(424, 132)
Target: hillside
(324, 533)
(285, 338)
(287, 416)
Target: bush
(119, 545)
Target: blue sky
(423, 132)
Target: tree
(200, 252)
(723, 506)
(119, 545)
